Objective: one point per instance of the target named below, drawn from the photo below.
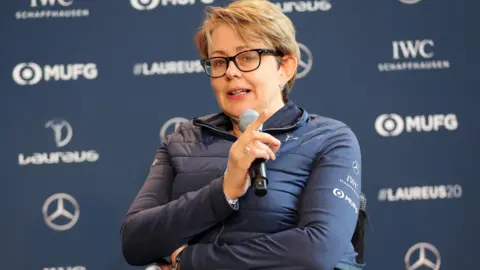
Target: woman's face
(261, 85)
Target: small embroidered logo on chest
(290, 137)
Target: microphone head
(247, 118)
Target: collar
(289, 117)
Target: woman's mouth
(238, 94)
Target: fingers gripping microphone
(258, 166)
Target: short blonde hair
(257, 20)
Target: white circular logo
(428, 257)
(339, 193)
(206, 2)
(27, 73)
(410, 2)
(305, 62)
(174, 122)
(389, 125)
(57, 126)
(144, 4)
(54, 218)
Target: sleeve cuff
(164, 261)
(220, 205)
(233, 203)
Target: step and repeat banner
(90, 88)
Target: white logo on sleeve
(356, 167)
(340, 194)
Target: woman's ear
(288, 67)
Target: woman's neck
(236, 129)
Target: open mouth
(239, 92)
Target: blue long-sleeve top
(306, 220)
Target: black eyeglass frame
(232, 58)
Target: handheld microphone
(258, 166)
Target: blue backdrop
(89, 87)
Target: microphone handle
(260, 178)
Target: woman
(197, 207)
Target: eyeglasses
(245, 61)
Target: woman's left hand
(176, 252)
(173, 257)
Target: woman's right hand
(251, 145)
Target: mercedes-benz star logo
(175, 122)
(304, 63)
(425, 260)
(356, 167)
(54, 219)
(57, 126)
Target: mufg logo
(393, 124)
(32, 73)
(152, 4)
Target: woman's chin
(239, 109)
